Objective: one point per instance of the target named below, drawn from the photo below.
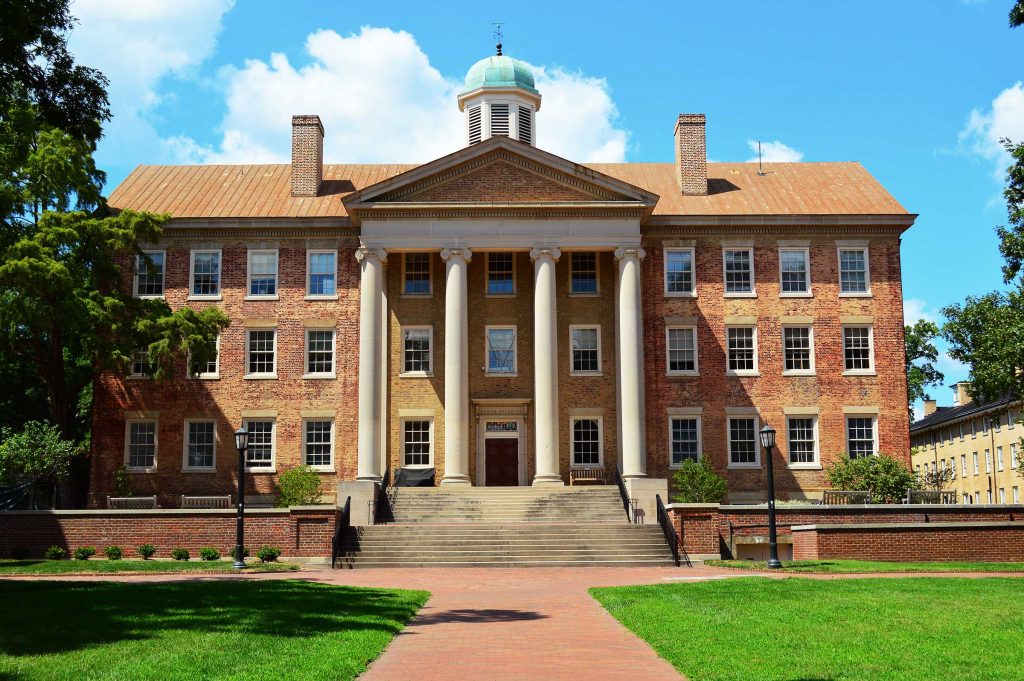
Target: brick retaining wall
(302, 531)
(963, 541)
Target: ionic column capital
(632, 252)
(538, 253)
(369, 254)
(461, 253)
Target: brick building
(505, 316)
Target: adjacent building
(504, 316)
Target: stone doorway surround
(503, 411)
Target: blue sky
(916, 90)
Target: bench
(929, 496)
(206, 502)
(587, 476)
(132, 503)
(833, 497)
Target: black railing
(344, 523)
(628, 504)
(669, 530)
(380, 505)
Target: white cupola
(500, 98)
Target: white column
(456, 367)
(631, 366)
(371, 291)
(545, 359)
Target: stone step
(604, 562)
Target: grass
(99, 566)
(244, 629)
(836, 630)
(846, 567)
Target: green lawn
(93, 566)
(851, 629)
(244, 629)
(864, 566)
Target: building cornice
(886, 223)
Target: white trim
(597, 274)
(163, 276)
(696, 360)
(600, 363)
(272, 468)
(700, 436)
(866, 293)
(807, 271)
(728, 440)
(249, 295)
(156, 445)
(572, 441)
(205, 375)
(305, 354)
(741, 372)
(752, 293)
(430, 276)
(321, 296)
(871, 349)
(816, 463)
(402, 373)
(185, 468)
(692, 293)
(130, 374)
(810, 339)
(272, 374)
(874, 431)
(487, 276)
(487, 351)
(192, 274)
(334, 445)
(430, 453)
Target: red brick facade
(998, 542)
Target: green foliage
(123, 483)
(147, 551)
(298, 486)
(697, 483)
(35, 453)
(180, 554)
(114, 552)
(55, 553)
(234, 551)
(886, 478)
(209, 553)
(268, 554)
(1017, 14)
(85, 552)
(921, 358)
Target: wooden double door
(501, 457)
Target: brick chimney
(960, 394)
(930, 406)
(307, 155)
(691, 154)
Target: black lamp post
(241, 444)
(768, 442)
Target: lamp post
(241, 444)
(768, 442)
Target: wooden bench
(206, 502)
(587, 476)
(929, 496)
(833, 497)
(132, 503)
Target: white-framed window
(417, 350)
(583, 272)
(802, 439)
(988, 461)
(794, 272)
(501, 350)
(261, 353)
(988, 494)
(977, 468)
(1002, 495)
(974, 429)
(738, 271)
(204, 275)
(140, 444)
(322, 273)
(212, 368)
(952, 467)
(416, 271)
(861, 436)
(858, 350)
(585, 350)
(960, 430)
(1016, 494)
(587, 441)
(681, 350)
(318, 443)
(684, 442)
(200, 445)
(501, 274)
(741, 357)
(1013, 456)
(999, 458)
(1011, 419)
(262, 274)
(854, 273)
(963, 464)
(262, 436)
(679, 272)
(977, 497)
(797, 350)
(140, 366)
(320, 353)
(744, 449)
(418, 443)
(967, 498)
(150, 277)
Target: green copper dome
(500, 71)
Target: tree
(697, 483)
(921, 357)
(887, 479)
(1017, 14)
(36, 458)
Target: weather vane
(498, 34)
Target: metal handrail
(628, 504)
(344, 522)
(382, 501)
(669, 531)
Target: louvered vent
(499, 119)
(525, 125)
(475, 125)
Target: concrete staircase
(506, 527)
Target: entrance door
(502, 455)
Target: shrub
(36, 456)
(180, 554)
(697, 483)
(84, 552)
(886, 478)
(123, 483)
(298, 486)
(55, 553)
(209, 553)
(233, 551)
(114, 552)
(268, 554)
(147, 551)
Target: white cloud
(984, 129)
(382, 101)
(774, 152)
(136, 44)
(915, 309)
